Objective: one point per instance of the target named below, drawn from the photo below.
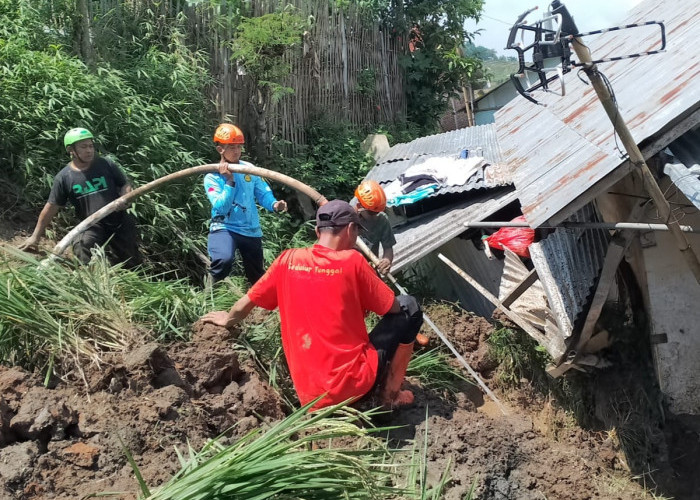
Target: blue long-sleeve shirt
(233, 207)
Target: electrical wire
(608, 85)
(498, 20)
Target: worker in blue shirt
(234, 216)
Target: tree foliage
(436, 67)
(260, 46)
(148, 114)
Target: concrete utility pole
(635, 155)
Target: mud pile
(68, 441)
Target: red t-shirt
(323, 295)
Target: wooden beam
(552, 347)
(520, 288)
(598, 342)
(616, 251)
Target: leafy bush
(150, 115)
(332, 163)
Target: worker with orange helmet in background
(235, 223)
(376, 228)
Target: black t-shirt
(89, 190)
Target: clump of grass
(519, 357)
(55, 311)
(434, 371)
(298, 457)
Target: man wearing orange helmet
(376, 228)
(235, 223)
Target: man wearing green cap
(90, 182)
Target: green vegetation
(332, 163)
(295, 458)
(437, 66)
(260, 46)
(434, 371)
(519, 357)
(149, 114)
(58, 316)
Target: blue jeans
(222, 247)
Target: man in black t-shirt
(90, 182)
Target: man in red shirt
(323, 293)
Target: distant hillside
(497, 68)
(500, 70)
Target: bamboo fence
(333, 71)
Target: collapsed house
(563, 167)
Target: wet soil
(67, 440)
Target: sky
(499, 15)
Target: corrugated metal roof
(447, 145)
(427, 233)
(558, 152)
(686, 174)
(568, 263)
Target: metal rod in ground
(461, 359)
(638, 226)
(373, 258)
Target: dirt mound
(69, 441)
(506, 456)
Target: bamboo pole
(635, 155)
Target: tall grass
(61, 312)
(434, 371)
(327, 454)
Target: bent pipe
(62, 245)
(317, 197)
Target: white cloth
(448, 171)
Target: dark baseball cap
(336, 213)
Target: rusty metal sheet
(559, 151)
(568, 263)
(422, 236)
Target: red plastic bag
(515, 239)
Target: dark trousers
(222, 247)
(121, 239)
(392, 330)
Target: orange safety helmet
(371, 196)
(227, 133)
